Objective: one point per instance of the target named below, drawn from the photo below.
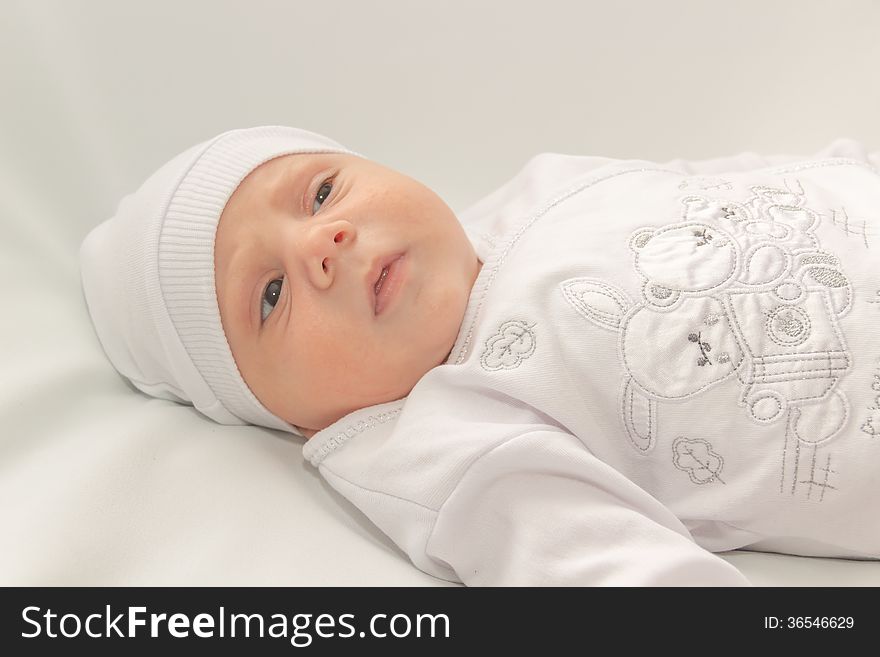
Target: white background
(457, 93)
(96, 94)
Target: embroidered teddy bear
(734, 289)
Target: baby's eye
(323, 192)
(270, 297)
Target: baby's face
(299, 248)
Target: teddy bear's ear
(639, 238)
(639, 417)
(603, 304)
(693, 206)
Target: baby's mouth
(388, 280)
(378, 285)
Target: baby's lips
(389, 286)
(374, 273)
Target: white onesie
(657, 362)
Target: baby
(601, 373)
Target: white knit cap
(148, 275)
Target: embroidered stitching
(779, 257)
(820, 259)
(647, 366)
(702, 208)
(660, 292)
(349, 432)
(705, 237)
(463, 350)
(696, 457)
(513, 343)
(836, 406)
(773, 193)
(788, 326)
(786, 365)
(867, 426)
(735, 212)
(828, 471)
(844, 225)
(705, 348)
(827, 277)
(654, 263)
(762, 415)
(811, 480)
(642, 436)
(579, 291)
(822, 366)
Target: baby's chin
(435, 349)
(321, 420)
(308, 433)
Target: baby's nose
(329, 237)
(326, 246)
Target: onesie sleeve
(747, 161)
(541, 510)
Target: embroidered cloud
(695, 456)
(510, 346)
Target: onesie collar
(320, 445)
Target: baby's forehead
(274, 185)
(285, 168)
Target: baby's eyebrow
(287, 178)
